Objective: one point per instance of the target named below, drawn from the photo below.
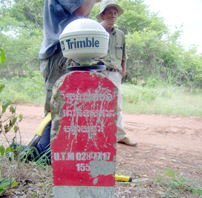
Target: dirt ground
(163, 142)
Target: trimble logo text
(74, 44)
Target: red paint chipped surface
(87, 131)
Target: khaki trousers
(52, 69)
(116, 77)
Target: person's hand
(123, 73)
(85, 9)
(123, 65)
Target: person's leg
(44, 143)
(33, 153)
(116, 77)
(52, 69)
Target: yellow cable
(43, 124)
(123, 178)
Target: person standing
(57, 15)
(115, 60)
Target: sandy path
(163, 142)
(166, 131)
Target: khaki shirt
(116, 50)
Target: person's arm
(124, 58)
(123, 65)
(85, 9)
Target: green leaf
(170, 172)
(12, 109)
(8, 129)
(34, 194)
(14, 183)
(9, 150)
(5, 105)
(14, 120)
(1, 87)
(20, 117)
(1, 190)
(15, 129)
(2, 150)
(5, 183)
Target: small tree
(10, 122)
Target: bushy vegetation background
(162, 75)
(154, 53)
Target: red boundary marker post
(84, 148)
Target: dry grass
(34, 180)
(145, 164)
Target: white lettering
(82, 156)
(83, 167)
(74, 129)
(103, 95)
(63, 156)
